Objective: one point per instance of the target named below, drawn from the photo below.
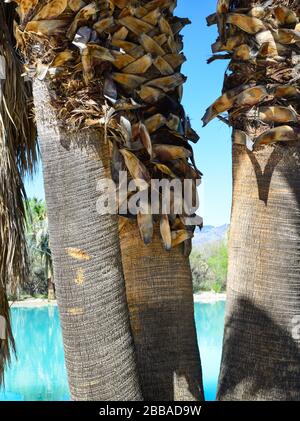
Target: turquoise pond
(39, 373)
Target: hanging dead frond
(17, 157)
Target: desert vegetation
(209, 267)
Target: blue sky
(204, 84)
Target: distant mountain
(210, 234)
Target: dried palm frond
(262, 40)
(17, 157)
(115, 65)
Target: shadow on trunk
(260, 356)
(264, 177)
(160, 299)
(270, 356)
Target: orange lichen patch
(79, 280)
(76, 311)
(78, 254)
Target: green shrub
(209, 268)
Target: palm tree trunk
(261, 355)
(87, 266)
(160, 299)
(50, 290)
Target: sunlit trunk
(87, 264)
(261, 355)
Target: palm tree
(158, 280)
(107, 89)
(87, 265)
(43, 248)
(261, 92)
(17, 157)
(86, 256)
(37, 237)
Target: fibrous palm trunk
(261, 354)
(160, 299)
(87, 265)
